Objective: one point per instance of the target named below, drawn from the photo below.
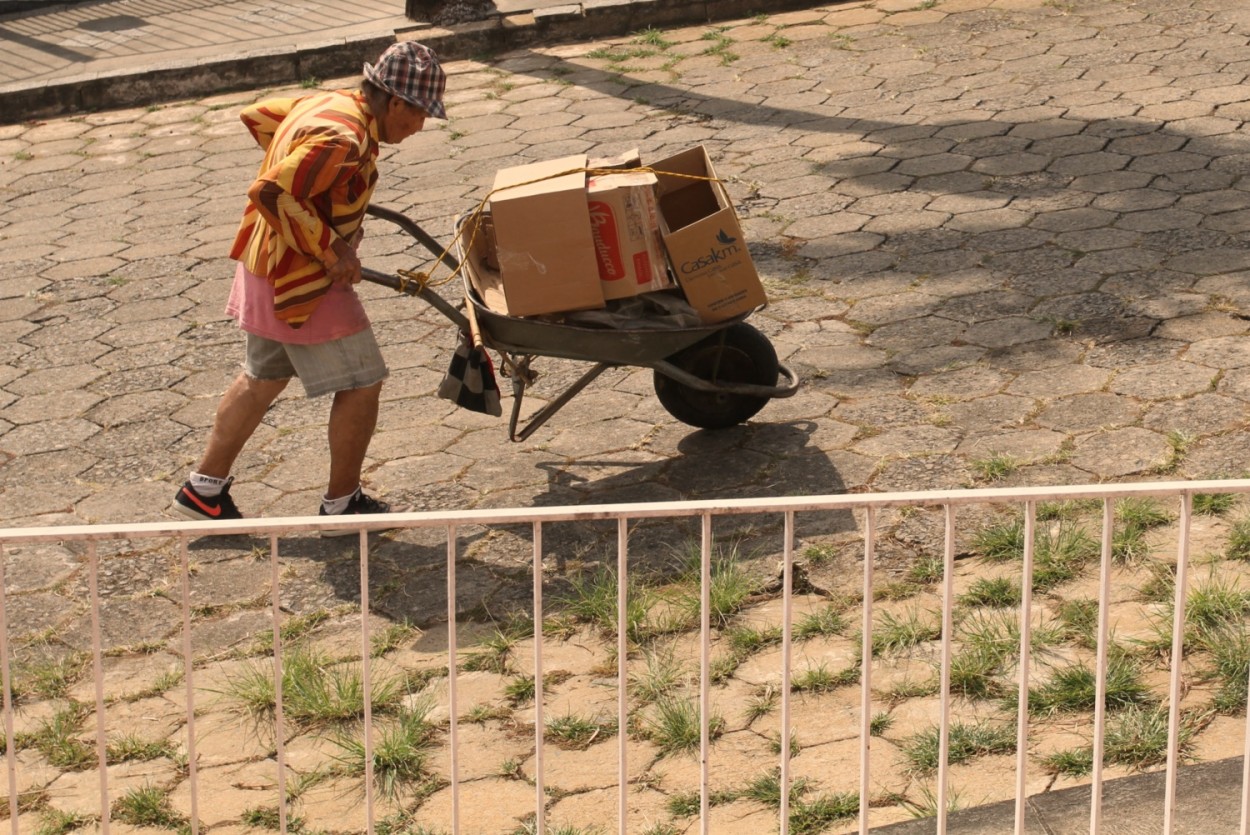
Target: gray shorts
(352, 362)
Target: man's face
(401, 121)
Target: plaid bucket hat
(411, 71)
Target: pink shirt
(338, 315)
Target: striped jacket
(314, 184)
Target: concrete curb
(177, 80)
(1131, 805)
(138, 86)
(8, 7)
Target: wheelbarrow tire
(745, 356)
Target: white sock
(206, 485)
(333, 507)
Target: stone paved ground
(999, 235)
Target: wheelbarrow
(711, 376)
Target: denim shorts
(352, 362)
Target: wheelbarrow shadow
(495, 564)
(759, 460)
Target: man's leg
(240, 411)
(353, 417)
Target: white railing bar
(707, 511)
(452, 673)
(1104, 649)
(188, 664)
(574, 513)
(1026, 648)
(787, 616)
(865, 674)
(540, 805)
(948, 607)
(366, 657)
(705, 654)
(97, 663)
(1178, 660)
(622, 673)
(1245, 773)
(10, 747)
(279, 731)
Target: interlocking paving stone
(987, 227)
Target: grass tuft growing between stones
(57, 738)
(995, 467)
(1213, 504)
(766, 789)
(894, 634)
(132, 748)
(1229, 649)
(1239, 541)
(662, 673)
(818, 678)
(593, 599)
(576, 732)
(268, 817)
(46, 676)
(147, 806)
(316, 691)
(58, 822)
(966, 741)
(824, 623)
(495, 655)
(1078, 621)
(1072, 688)
(1136, 738)
(809, 817)
(673, 725)
(729, 590)
(400, 752)
(926, 571)
(995, 592)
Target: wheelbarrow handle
(414, 288)
(788, 387)
(414, 229)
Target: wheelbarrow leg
(545, 413)
(520, 378)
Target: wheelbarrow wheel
(736, 354)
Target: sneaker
(206, 508)
(359, 504)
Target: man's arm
(283, 195)
(262, 119)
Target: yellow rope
(507, 365)
(423, 278)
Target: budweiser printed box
(625, 224)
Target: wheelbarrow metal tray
(635, 346)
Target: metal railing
(788, 509)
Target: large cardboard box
(543, 241)
(704, 239)
(625, 224)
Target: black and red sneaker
(206, 508)
(359, 504)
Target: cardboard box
(543, 241)
(625, 225)
(628, 159)
(481, 268)
(704, 240)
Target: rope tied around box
(475, 339)
(423, 278)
